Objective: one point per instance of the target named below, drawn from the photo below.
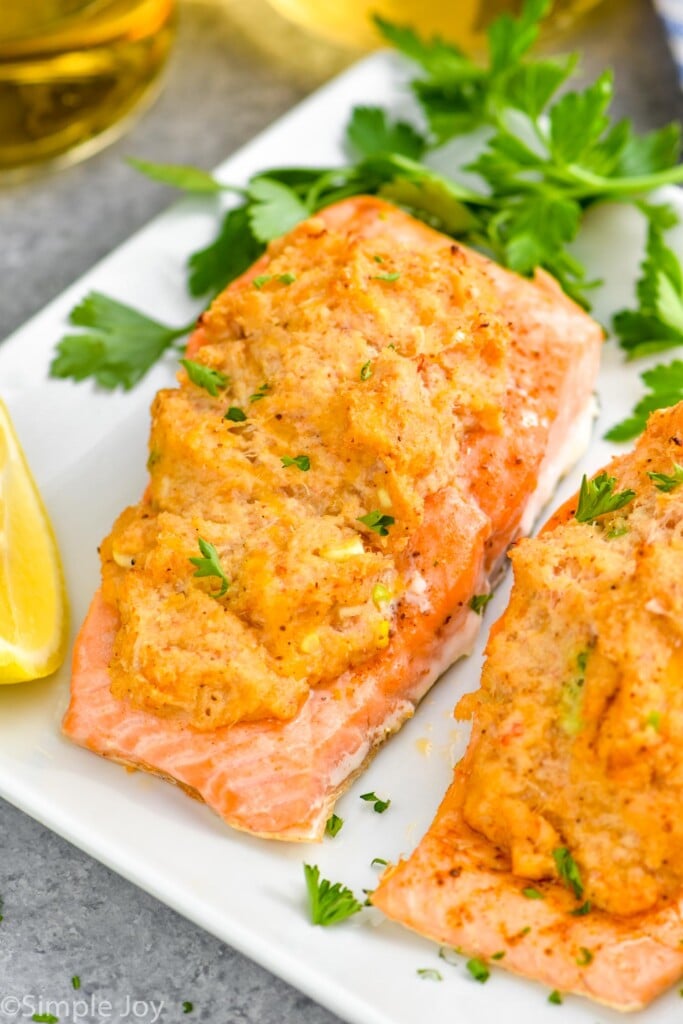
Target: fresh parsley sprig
(665, 388)
(328, 903)
(116, 344)
(546, 159)
(597, 497)
(657, 322)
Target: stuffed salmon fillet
(558, 849)
(366, 420)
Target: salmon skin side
(280, 779)
(458, 887)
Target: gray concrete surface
(65, 914)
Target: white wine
(70, 70)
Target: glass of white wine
(71, 71)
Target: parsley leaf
(232, 251)
(369, 132)
(189, 179)
(657, 323)
(581, 911)
(261, 280)
(429, 974)
(334, 825)
(76, 982)
(45, 1018)
(379, 806)
(533, 894)
(665, 383)
(555, 997)
(386, 277)
(235, 414)
(327, 903)
(378, 522)
(366, 371)
(301, 462)
(568, 870)
(378, 862)
(597, 497)
(205, 377)
(210, 565)
(274, 208)
(261, 392)
(478, 970)
(188, 1007)
(585, 957)
(668, 482)
(118, 344)
(479, 601)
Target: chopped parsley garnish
(479, 601)
(386, 277)
(188, 1007)
(555, 997)
(478, 970)
(205, 377)
(568, 870)
(328, 903)
(235, 414)
(450, 954)
(366, 371)
(654, 720)
(499, 955)
(45, 1018)
(379, 806)
(571, 697)
(334, 825)
(368, 894)
(261, 392)
(585, 957)
(301, 462)
(378, 259)
(261, 280)
(286, 278)
(378, 862)
(377, 521)
(581, 911)
(668, 482)
(428, 973)
(210, 565)
(617, 531)
(597, 497)
(533, 894)
(76, 982)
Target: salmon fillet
(565, 762)
(280, 778)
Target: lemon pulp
(33, 616)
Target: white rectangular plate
(88, 452)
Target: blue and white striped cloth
(671, 12)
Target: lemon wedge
(33, 614)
